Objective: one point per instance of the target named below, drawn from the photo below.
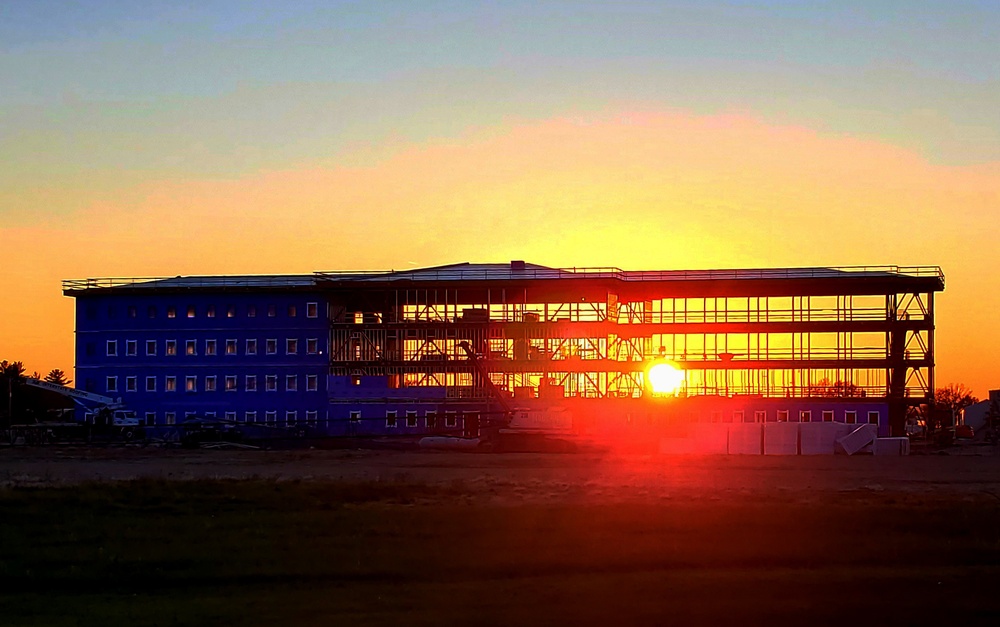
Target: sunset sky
(147, 139)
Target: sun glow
(665, 378)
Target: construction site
(773, 361)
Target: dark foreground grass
(266, 553)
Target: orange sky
(635, 187)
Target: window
(231, 311)
(291, 383)
(189, 414)
(271, 346)
(111, 311)
(250, 416)
(210, 383)
(210, 414)
(191, 347)
(171, 312)
(190, 311)
(191, 384)
(291, 346)
(390, 419)
(312, 346)
(873, 417)
(312, 382)
(131, 384)
(170, 417)
(291, 311)
(251, 311)
(272, 311)
(150, 384)
(716, 416)
(250, 383)
(170, 384)
(782, 415)
(850, 417)
(131, 348)
(271, 383)
(737, 416)
(91, 312)
(450, 420)
(211, 311)
(111, 385)
(312, 310)
(355, 416)
(132, 313)
(151, 311)
(112, 348)
(431, 420)
(411, 419)
(150, 347)
(759, 416)
(252, 347)
(311, 417)
(271, 417)
(356, 379)
(231, 416)
(290, 416)
(91, 350)
(171, 347)
(150, 418)
(805, 416)
(230, 382)
(230, 347)
(210, 347)
(827, 415)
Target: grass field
(399, 552)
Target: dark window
(272, 311)
(111, 311)
(291, 311)
(151, 311)
(91, 312)
(211, 311)
(90, 349)
(132, 313)
(252, 311)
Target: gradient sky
(147, 139)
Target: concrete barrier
(781, 438)
(820, 438)
(746, 438)
(858, 438)
(891, 446)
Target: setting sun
(665, 378)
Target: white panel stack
(745, 438)
(891, 446)
(857, 439)
(781, 438)
(820, 438)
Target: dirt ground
(378, 537)
(523, 476)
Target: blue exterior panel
(244, 356)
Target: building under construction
(439, 349)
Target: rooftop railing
(503, 272)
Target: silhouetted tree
(837, 389)
(58, 377)
(954, 396)
(11, 377)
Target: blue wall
(141, 318)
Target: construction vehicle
(104, 418)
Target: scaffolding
(593, 333)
